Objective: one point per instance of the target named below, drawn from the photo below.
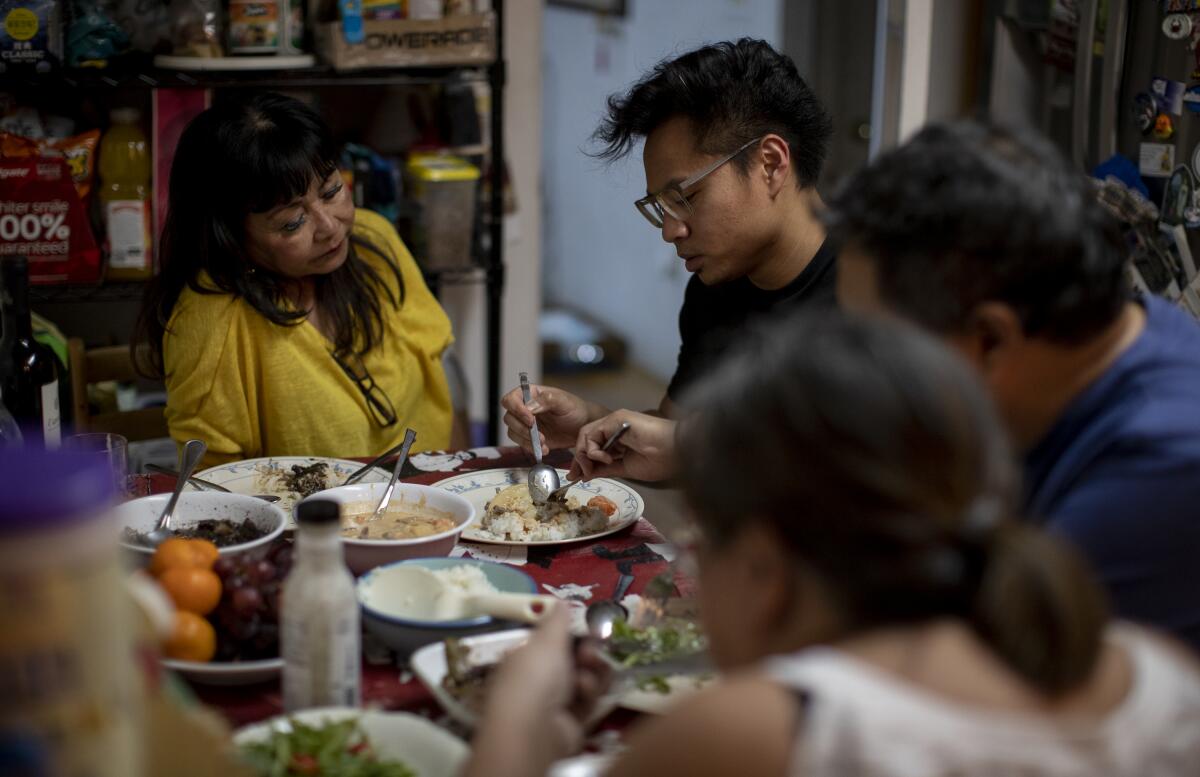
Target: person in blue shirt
(989, 238)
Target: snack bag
(41, 217)
(79, 151)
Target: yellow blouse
(250, 388)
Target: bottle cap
(124, 115)
(47, 489)
(317, 512)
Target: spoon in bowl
(543, 479)
(409, 436)
(602, 616)
(419, 594)
(193, 451)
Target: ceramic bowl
(405, 635)
(364, 555)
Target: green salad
(340, 749)
(654, 644)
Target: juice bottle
(125, 197)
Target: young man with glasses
(734, 143)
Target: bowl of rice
(384, 608)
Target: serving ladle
(421, 595)
(543, 479)
(193, 452)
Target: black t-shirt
(712, 316)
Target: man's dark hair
(732, 93)
(969, 212)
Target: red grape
(246, 602)
(261, 572)
(224, 567)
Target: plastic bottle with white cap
(319, 620)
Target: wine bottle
(30, 387)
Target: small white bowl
(364, 555)
(141, 515)
(377, 596)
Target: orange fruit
(192, 589)
(175, 552)
(192, 639)
(206, 552)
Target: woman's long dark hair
(875, 456)
(249, 156)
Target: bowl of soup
(421, 521)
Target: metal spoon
(543, 479)
(362, 471)
(602, 616)
(560, 494)
(193, 451)
(205, 485)
(409, 436)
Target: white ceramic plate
(245, 477)
(227, 672)
(429, 665)
(426, 749)
(479, 487)
(655, 703)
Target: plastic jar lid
(42, 490)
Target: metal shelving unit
(140, 74)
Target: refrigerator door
(1057, 67)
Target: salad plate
(424, 749)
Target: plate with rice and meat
(508, 515)
(291, 478)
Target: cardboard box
(453, 40)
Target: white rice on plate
(512, 515)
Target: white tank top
(862, 722)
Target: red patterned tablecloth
(599, 563)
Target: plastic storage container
(443, 188)
(74, 694)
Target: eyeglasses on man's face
(672, 199)
(380, 406)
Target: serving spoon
(543, 479)
(193, 452)
(409, 436)
(422, 595)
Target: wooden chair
(102, 364)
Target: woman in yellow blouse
(285, 321)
